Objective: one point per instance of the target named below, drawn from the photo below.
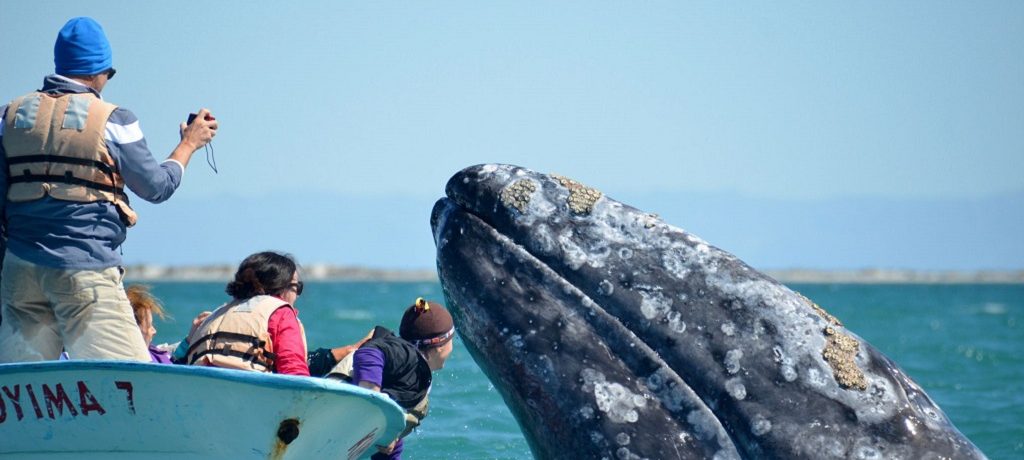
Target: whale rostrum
(611, 334)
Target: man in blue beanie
(66, 156)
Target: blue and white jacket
(65, 234)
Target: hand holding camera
(198, 131)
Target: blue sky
(341, 121)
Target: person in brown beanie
(401, 366)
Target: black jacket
(406, 372)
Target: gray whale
(611, 334)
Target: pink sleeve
(283, 328)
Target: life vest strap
(60, 159)
(65, 179)
(268, 362)
(254, 341)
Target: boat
(119, 410)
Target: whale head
(611, 334)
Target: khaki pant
(84, 312)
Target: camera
(192, 117)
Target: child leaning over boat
(402, 366)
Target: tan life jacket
(55, 146)
(235, 336)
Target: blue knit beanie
(82, 48)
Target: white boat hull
(113, 410)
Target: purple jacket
(159, 357)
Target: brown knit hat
(427, 324)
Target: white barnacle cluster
(603, 228)
(623, 453)
(682, 258)
(760, 425)
(732, 361)
(674, 262)
(787, 366)
(665, 388)
(618, 402)
(675, 322)
(606, 226)
(589, 242)
(746, 293)
(816, 378)
(589, 377)
(607, 230)
(653, 303)
(736, 388)
(615, 400)
(703, 256)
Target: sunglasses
(110, 73)
(297, 286)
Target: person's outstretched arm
(152, 181)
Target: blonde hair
(143, 301)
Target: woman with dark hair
(259, 329)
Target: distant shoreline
(322, 272)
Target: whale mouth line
(597, 317)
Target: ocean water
(963, 343)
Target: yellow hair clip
(422, 305)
